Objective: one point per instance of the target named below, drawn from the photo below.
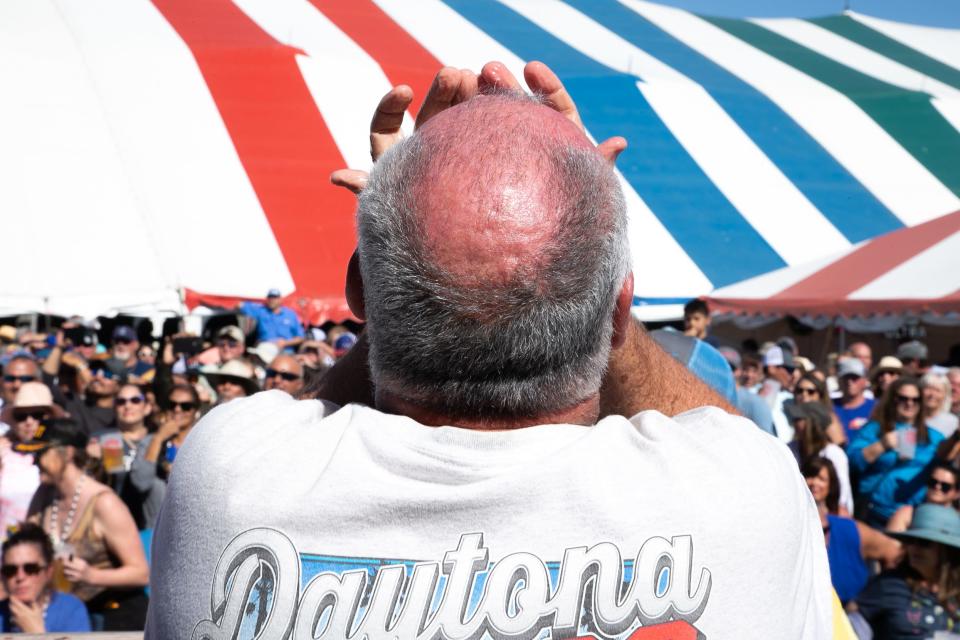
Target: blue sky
(939, 13)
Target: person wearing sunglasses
(919, 597)
(943, 488)
(32, 604)
(810, 422)
(892, 453)
(98, 554)
(811, 388)
(19, 370)
(284, 373)
(174, 426)
(119, 448)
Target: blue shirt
(888, 482)
(65, 613)
(848, 571)
(753, 406)
(853, 419)
(282, 324)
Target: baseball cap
(56, 432)
(124, 332)
(89, 339)
(851, 367)
(233, 332)
(274, 293)
(344, 343)
(778, 357)
(913, 350)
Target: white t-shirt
(841, 463)
(305, 521)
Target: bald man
(285, 373)
(490, 472)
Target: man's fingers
(352, 179)
(495, 75)
(545, 82)
(385, 125)
(443, 93)
(467, 88)
(611, 148)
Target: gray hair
(535, 344)
(934, 379)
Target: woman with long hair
(810, 422)
(892, 453)
(174, 426)
(850, 544)
(98, 554)
(922, 595)
(943, 488)
(810, 388)
(32, 604)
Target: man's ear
(621, 311)
(354, 287)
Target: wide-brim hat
(933, 523)
(887, 363)
(33, 394)
(236, 371)
(811, 411)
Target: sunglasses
(286, 375)
(183, 406)
(103, 372)
(908, 399)
(807, 391)
(227, 342)
(9, 378)
(943, 486)
(20, 416)
(29, 568)
(132, 400)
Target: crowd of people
(879, 446)
(90, 432)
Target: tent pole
(825, 350)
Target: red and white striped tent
(910, 273)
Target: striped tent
(162, 152)
(910, 273)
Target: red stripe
(402, 58)
(875, 258)
(831, 308)
(678, 630)
(281, 139)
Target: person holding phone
(892, 453)
(32, 604)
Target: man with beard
(123, 348)
(94, 408)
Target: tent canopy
(165, 152)
(906, 273)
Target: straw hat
(887, 363)
(33, 394)
(932, 522)
(237, 371)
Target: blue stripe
(712, 232)
(846, 203)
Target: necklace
(59, 537)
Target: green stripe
(908, 116)
(886, 46)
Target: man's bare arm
(643, 376)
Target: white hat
(851, 367)
(33, 394)
(239, 371)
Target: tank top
(848, 571)
(89, 545)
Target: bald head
(284, 373)
(492, 246)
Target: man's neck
(852, 402)
(585, 413)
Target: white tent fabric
(167, 153)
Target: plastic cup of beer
(112, 451)
(60, 581)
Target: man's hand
(453, 86)
(29, 617)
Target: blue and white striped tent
(754, 144)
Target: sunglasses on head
(908, 399)
(286, 375)
(183, 406)
(132, 400)
(11, 378)
(943, 486)
(38, 415)
(29, 568)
